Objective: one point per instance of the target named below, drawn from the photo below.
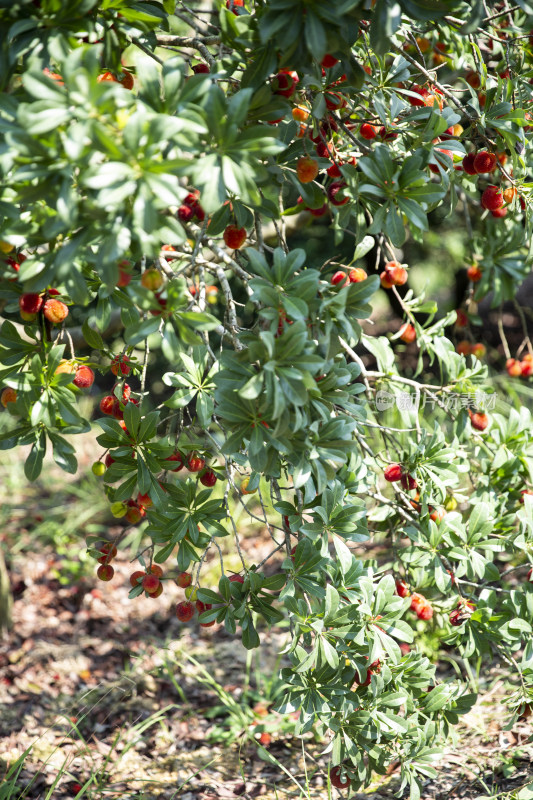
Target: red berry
(393, 473)
(150, 583)
(425, 611)
(402, 589)
(478, 420)
(339, 277)
(184, 579)
(407, 333)
(30, 303)
(84, 377)
(106, 404)
(468, 164)
(236, 578)
(484, 162)
(474, 273)
(417, 601)
(108, 551)
(185, 611)
(513, 367)
(105, 572)
(120, 365)
(333, 191)
(408, 482)
(195, 463)
(135, 577)
(200, 69)
(208, 478)
(233, 4)
(285, 82)
(492, 198)
(178, 458)
(337, 780)
(368, 131)
(324, 149)
(234, 237)
(329, 61)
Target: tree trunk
(6, 599)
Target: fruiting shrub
(276, 361)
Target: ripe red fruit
(135, 513)
(462, 318)
(155, 569)
(285, 82)
(208, 478)
(55, 311)
(178, 458)
(408, 482)
(30, 303)
(201, 607)
(185, 611)
(324, 149)
(126, 81)
(306, 169)
(234, 237)
(464, 348)
(492, 198)
(109, 460)
(135, 577)
(150, 583)
(236, 578)
(200, 69)
(368, 131)
(513, 367)
(339, 277)
(195, 463)
(428, 97)
(334, 171)
(108, 551)
(334, 100)
(233, 4)
(385, 279)
(455, 617)
(407, 333)
(498, 213)
(105, 572)
(484, 162)
(184, 579)
(106, 404)
(124, 277)
(393, 473)
(84, 377)
(479, 420)
(402, 589)
(468, 164)
(185, 213)
(333, 191)
(425, 611)
(397, 275)
(337, 780)
(329, 61)
(120, 365)
(417, 601)
(474, 273)
(144, 500)
(527, 368)
(357, 275)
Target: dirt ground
(113, 698)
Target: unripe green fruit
(98, 468)
(119, 509)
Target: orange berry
(307, 169)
